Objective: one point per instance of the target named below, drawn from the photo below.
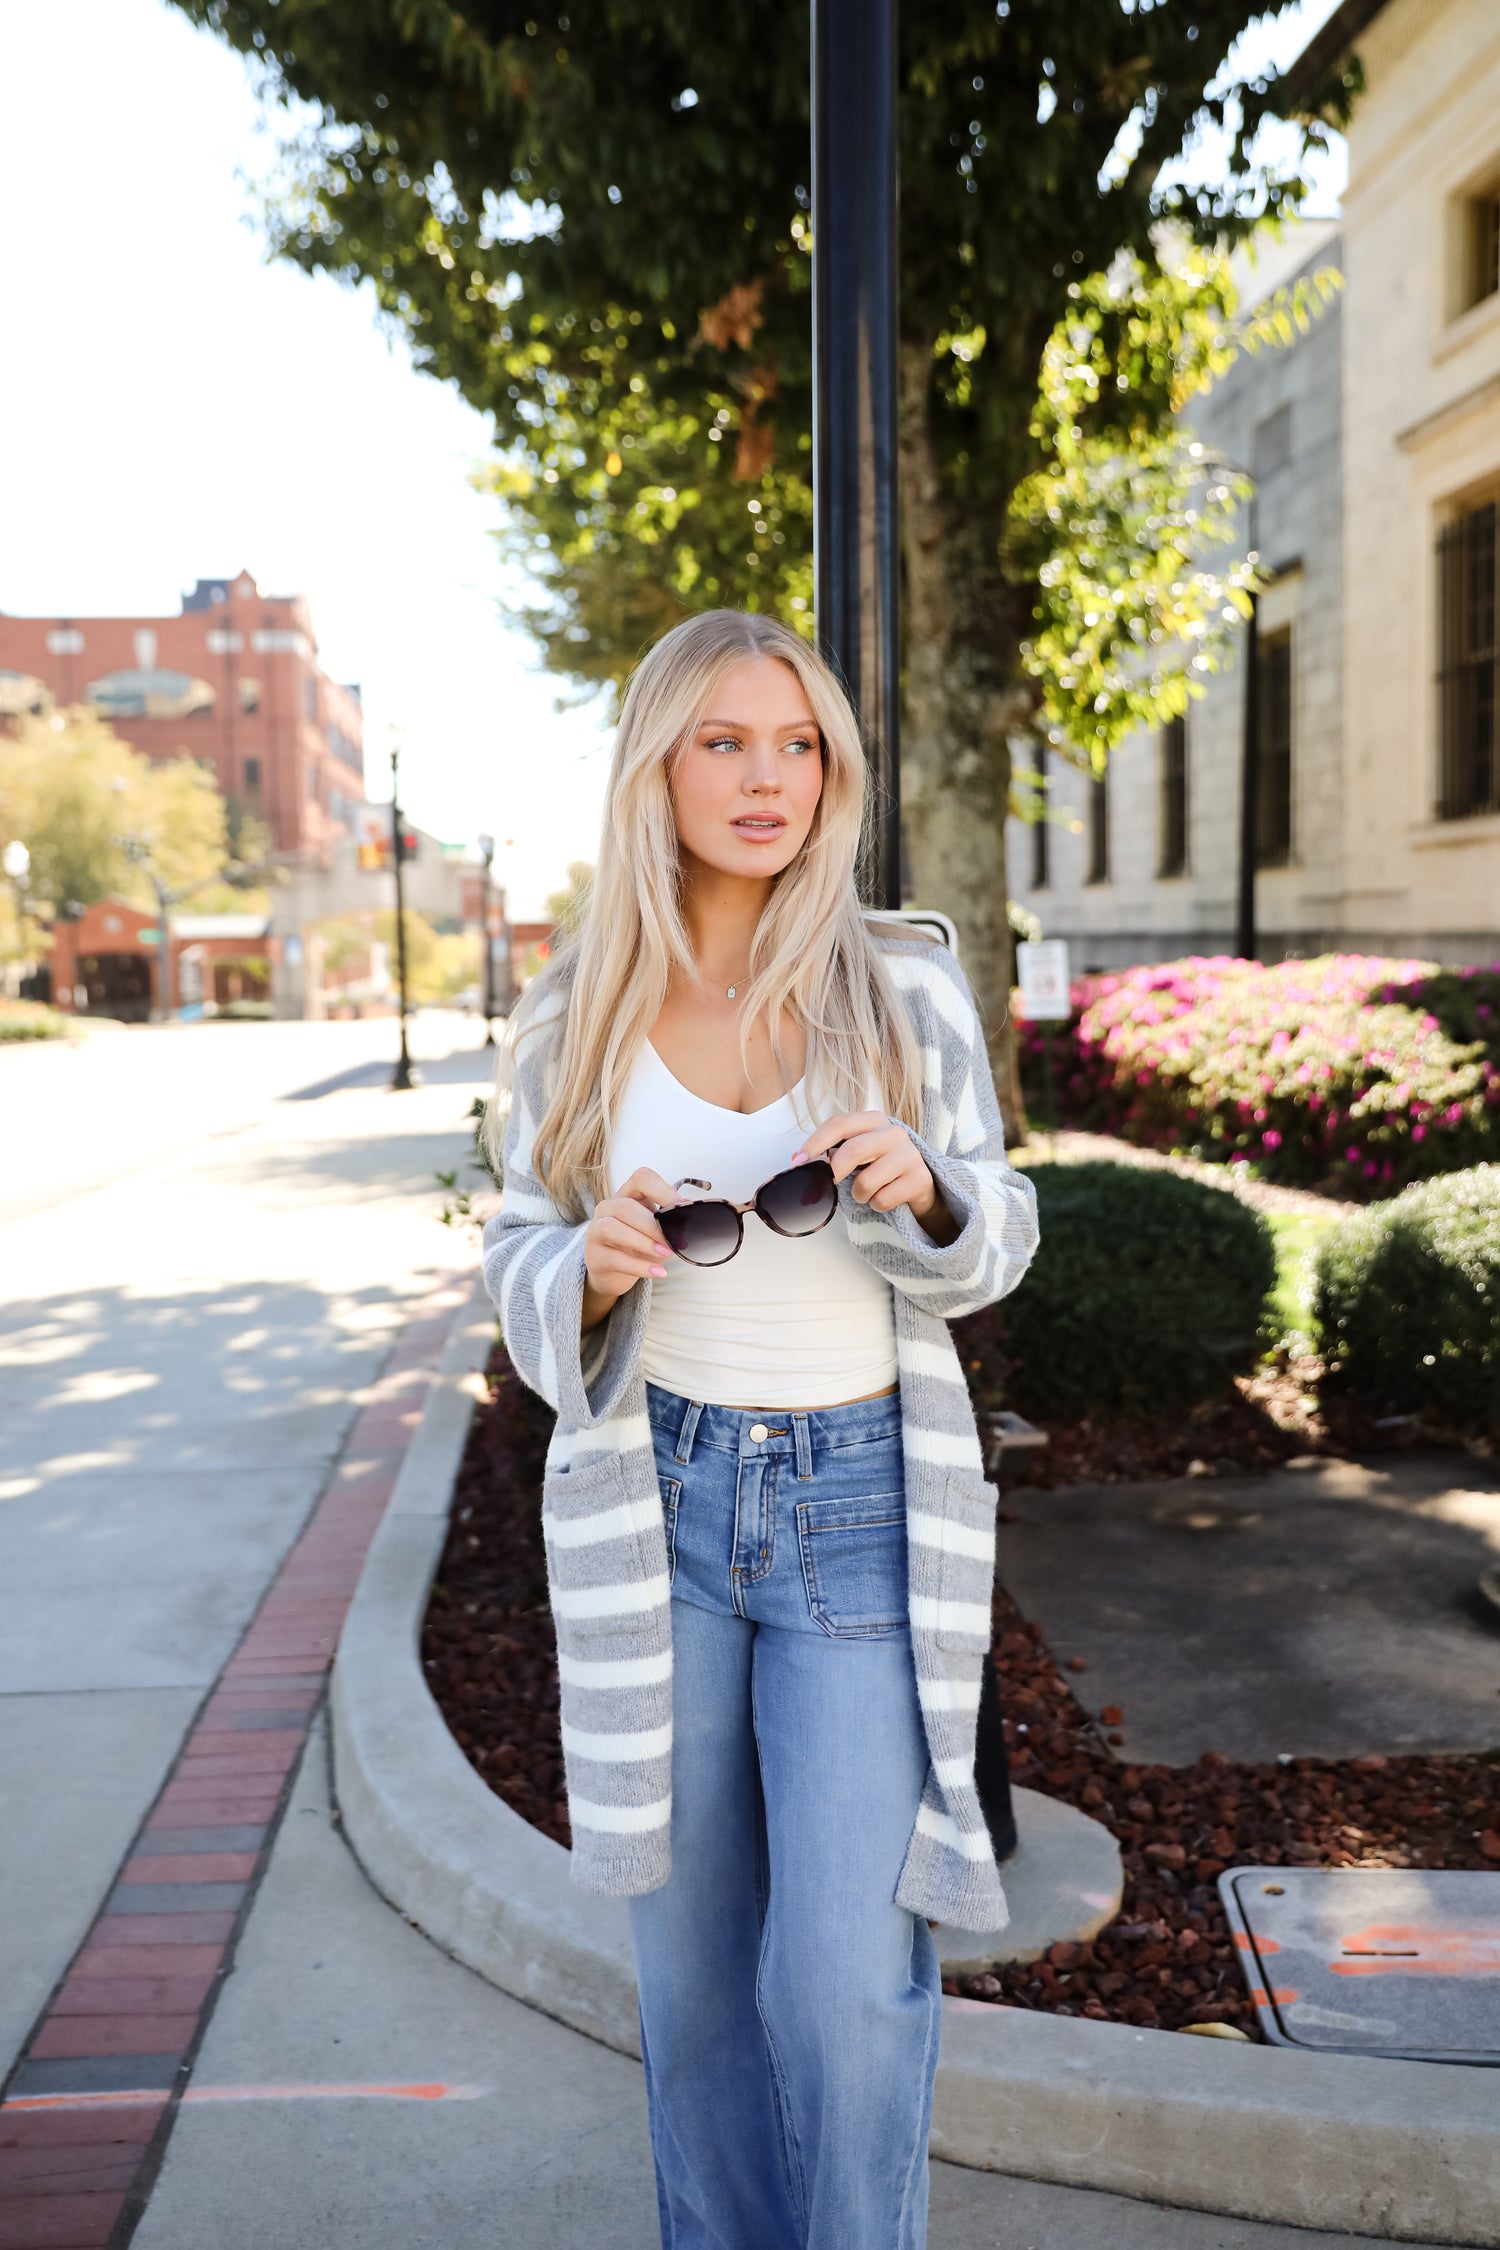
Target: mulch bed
(1167, 1960)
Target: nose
(762, 777)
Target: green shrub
(1352, 1071)
(1149, 1290)
(28, 1019)
(1408, 1300)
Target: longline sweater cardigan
(601, 1504)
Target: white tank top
(784, 1323)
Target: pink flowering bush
(1350, 1072)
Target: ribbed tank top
(783, 1324)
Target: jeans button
(759, 1432)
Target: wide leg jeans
(789, 2008)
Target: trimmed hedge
(1149, 1290)
(1349, 1072)
(1407, 1297)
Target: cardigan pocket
(606, 1556)
(966, 1562)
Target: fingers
(617, 1255)
(889, 1180)
(646, 1186)
(861, 1149)
(840, 1129)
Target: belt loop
(688, 1432)
(804, 1447)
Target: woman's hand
(622, 1243)
(887, 1165)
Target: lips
(759, 827)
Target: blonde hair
(813, 954)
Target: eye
(722, 742)
(800, 744)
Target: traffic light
(406, 844)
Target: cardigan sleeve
(534, 1272)
(963, 1145)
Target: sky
(175, 406)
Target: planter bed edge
(1410, 2151)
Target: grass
(1298, 1237)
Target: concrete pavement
(180, 1352)
(525, 2134)
(183, 1344)
(1325, 1612)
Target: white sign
(1042, 971)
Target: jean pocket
(854, 1563)
(671, 1494)
(606, 1570)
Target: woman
(753, 1164)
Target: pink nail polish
(800, 1157)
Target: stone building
(1374, 442)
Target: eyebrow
(739, 726)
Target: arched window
(149, 695)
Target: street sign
(372, 837)
(1042, 972)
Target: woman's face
(747, 783)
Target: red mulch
(1167, 1959)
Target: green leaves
(1118, 528)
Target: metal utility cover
(1371, 1960)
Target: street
(213, 1239)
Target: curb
(1410, 2151)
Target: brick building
(233, 681)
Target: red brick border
(126, 2021)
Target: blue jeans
(789, 2008)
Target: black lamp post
(1246, 934)
(404, 1076)
(487, 855)
(855, 558)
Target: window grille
(1099, 829)
(1469, 674)
(1173, 852)
(1273, 807)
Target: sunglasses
(793, 1203)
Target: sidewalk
(186, 1355)
(522, 2133)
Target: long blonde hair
(813, 953)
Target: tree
(596, 228)
(80, 799)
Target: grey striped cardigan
(601, 1505)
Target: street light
(405, 1076)
(487, 855)
(855, 560)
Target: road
(211, 1239)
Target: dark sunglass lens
(800, 1201)
(705, 1234)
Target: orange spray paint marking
(1413, 1949)
(354, 2091)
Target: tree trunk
(964, 693)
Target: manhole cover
(1371, 1960)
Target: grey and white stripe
(601, 1504)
